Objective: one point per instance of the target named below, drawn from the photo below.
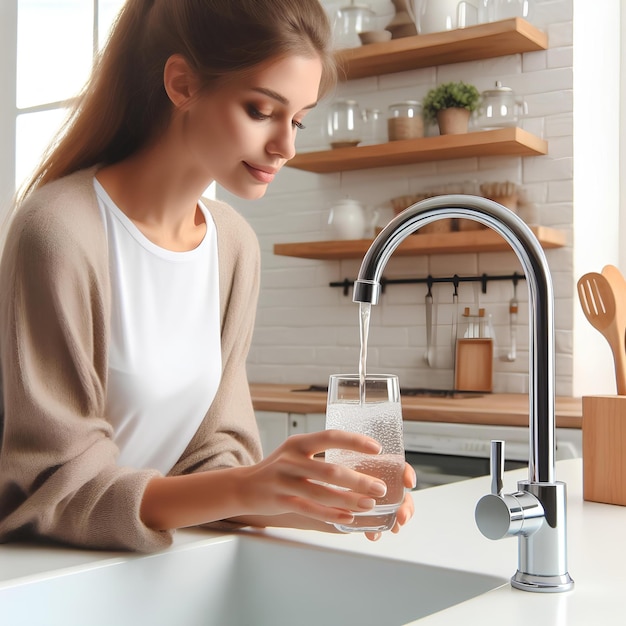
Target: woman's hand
(407, 508)
(291, 487)
(293, 480)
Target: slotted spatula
(599, 306)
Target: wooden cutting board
(473, 368)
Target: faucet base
(543, 584)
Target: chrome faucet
(536, 513)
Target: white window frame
(8, 109)
(9, 112)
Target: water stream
(365, 309)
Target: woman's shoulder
(232, 226)
(59, 223)
(62, 211)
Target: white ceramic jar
(347, 219)
(435, 16)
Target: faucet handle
(496, 465)
(498, 515)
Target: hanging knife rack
(455, 280)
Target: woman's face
(241, 133)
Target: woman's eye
(254, 113)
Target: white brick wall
(307, 330)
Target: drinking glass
(375, 411)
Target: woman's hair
(124, 104)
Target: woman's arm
(289, 481)
(59, 476)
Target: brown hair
(124, 104)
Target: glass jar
(344, 124)
(500, 108)
(349, 22)
(374, 127)
(405, 121)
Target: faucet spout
(541, 467)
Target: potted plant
(451, 104)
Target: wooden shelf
(485, 240)
(512, 36)
(511, 141)
(484, 41)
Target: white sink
(242, 581)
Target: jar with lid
(405, 121)
(344, 124)
(500, 108)
(349, 21)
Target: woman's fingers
(410, 477)
(404, 514)
(315, 510)
(346, 478)
(314, 443)
(407, 508)
(292, 479)
(330, 498)
(373, 536)
(299, 462)
(300, 472)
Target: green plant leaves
(450, 95)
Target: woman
(128, 303)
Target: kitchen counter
(497, 409)
(442, 533)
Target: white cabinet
(314, 421)
(306, 422)
(275, 427)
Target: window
(46, 53)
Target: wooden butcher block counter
(505, 409)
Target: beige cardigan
(58, 473)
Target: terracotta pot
(453, 121)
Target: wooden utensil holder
(604, 449)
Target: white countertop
(442, 533)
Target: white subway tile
(561, 33)
(548, 169)
(560, 57)
(560, 191)
(402, 80)
(535, 61)
(559, 125)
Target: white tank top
(165, 353)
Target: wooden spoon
(618, 284)
(601, 310)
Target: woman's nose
(283, 143)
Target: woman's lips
(264, 175)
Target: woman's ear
(180, 81)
